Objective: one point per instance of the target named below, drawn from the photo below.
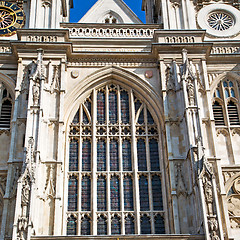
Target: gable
(110, 11)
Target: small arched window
(114, 169)
(5, 107)
(225, 104)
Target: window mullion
(1, 95)
(135, 165)
(94, 164)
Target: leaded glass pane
(154, 155)
(232, 92)
(86, 155)
(226, 93)
(76, 118)
(113, 116)
(149, 118)
(157, 193)
(144, 195)
(72, 226)
(73, 155)
(128, 193)
(141, 153)
(85, 226)
(115, 194)
(230, 84)
(101, 107)
(141, 118)
(124, 107)
(145, 225)
(86, 193)
(129, 225)
(159, 225)
(218, 93)
(88, 105)
(116, 226)
(138, 104)
(85, 118)
(72, 194)
(225, 84)
(126, 155)
(114, 156)
(101, 155)
(102, 226)
(101, 194)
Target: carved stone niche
(233, 203)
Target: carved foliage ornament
(233, 201)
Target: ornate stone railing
(111, 31)
(5, 49)
(225, 50)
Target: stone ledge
(118, 237)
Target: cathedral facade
(115, 129)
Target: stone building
(115, 129)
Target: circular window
(219, 20)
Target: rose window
(220, 21)
(6, 19)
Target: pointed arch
(8, 82)
(118, 75)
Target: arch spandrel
(115, 75)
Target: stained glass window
(145, 225)
(114, 155)
(157, 193)
(144, 195)
(129, 225)
(101, 107)
(115, 194)
(102, 226)
(73, 155)
(72, 225)
(128, 193)
(124, 107)
(116, 225)
(85, 226)
(141, 153)
(154, 155)
(86, 155)
(86, 193)
(101, 155)
(126, 155)
(113, 107)
(101, 194)
(124, 163)
(159, 224)
(72, 193)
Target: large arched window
(114, 174)
(226, 103)
(5, 107)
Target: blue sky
(82, 6)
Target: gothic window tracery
(5, 107)
(114, 174)
(226, 103)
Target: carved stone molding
(233, 203)
(5, 131)
(222, 131)
(102, 62)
